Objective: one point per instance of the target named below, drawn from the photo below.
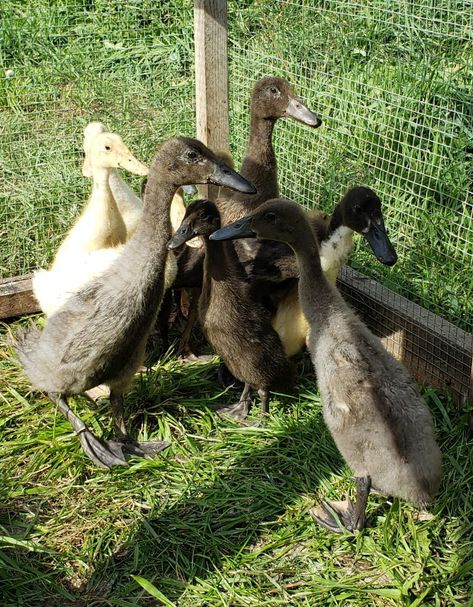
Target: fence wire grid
(62, 64)
(392, 81)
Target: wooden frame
(211, 77)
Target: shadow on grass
(218, 519)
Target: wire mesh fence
(392, 81)
(62, 64)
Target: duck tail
(26, 344)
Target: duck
(99, 335)
(272, 98)
(359, 211)
(101, 223)
(107, 221)
(371, 405)
(237, 326)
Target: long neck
(124, 196)
(147, 252)
(259, 166)
(220, 260)
(101, 203)
(317, 296)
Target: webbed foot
(337, 517)
(102, 453)
(147, 449)
(238, 411)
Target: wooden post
(211, 76)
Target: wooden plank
(16, 297)
(211, 77)
(435, 351)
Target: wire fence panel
(392, 81)
(127, 63)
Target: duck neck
(336, 221)
(147, 247)
(317, 296)
(220, 259)
(259, 164)
(102, 196)
(156, 212)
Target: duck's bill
(133, 165)
(301, 113)
(182, 235)
(380, 243)
(227, 177)
(238, 229)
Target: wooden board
(16, 297)
(435, 351)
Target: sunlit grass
(221, 518)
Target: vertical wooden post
(211, 75)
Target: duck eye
(108, 148)
(274, 90)
(357, 209)
(191, 155)
(270, 216)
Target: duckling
(128, 203)
(358, 211)
(371, 406)
(237, 326)
(107, 221)
(99, 335)
(101, 224)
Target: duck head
(277, 219)
(105, 150)
(188, 161)
(201, 219)
(360, 210)
(275, 98)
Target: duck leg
(101, 452)
(264, 396)
(241, 409)
(184, 349)
(344, 516)
(129, 446)
(226, 379)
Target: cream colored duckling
(371, 406)
(101, 224)
(129, 204)
(97, 237)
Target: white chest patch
(335, 251)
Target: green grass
(392, 81)
(221, 518)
